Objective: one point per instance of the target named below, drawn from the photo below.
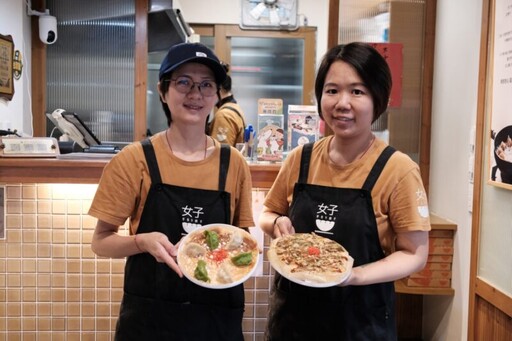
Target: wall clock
(269, 14)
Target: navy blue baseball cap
(192, 52)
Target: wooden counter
(44, 170)
(50, 170)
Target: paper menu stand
(270, 137)
(271, 106)
(303, 125)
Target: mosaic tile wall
(53, 287)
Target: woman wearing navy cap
(168, 185)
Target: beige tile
(88, 222)
(58, 236)
(44, 207)
(13, 280)
(73, 251)
(73, 309)
(74, 222)
(44, 324)
(44, 309)
(13, 221)
(103, 281)
(44, 251)
(88, 295)
(102, 324)
(29, 207)
(29, 295)
(59, 309)
(87, 251)
(14, 265)
(261, 310)
(14, 236)
(13, 309)
(44, 221)
(29, 250)
(117, 280)
(28, 324)
(88, 281)
(13, 207)
(73, 281)
(29, 191)
(103, 309)
(3, 282)
(58, 251)
(103, 266)
(29, 221)
(74, 207)
(58, 324)
(248, 325)
(13, 294)
(103, 295)
(44, 236)
(13, 325)
(88, 266)
(44, 295)
(58, 265)
(58, 295)
(261, 296)
(44, 191)
(74, 237)
(29, 308)
(29, 236)
(58, 280)
(88, 309)
(44, 280)
(59, 221)
(73, 295)
(88, 324)
(14, 250)
(13, 192)
(29, 280)
(43, 265)
(73, 266)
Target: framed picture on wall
(500, 135)
(6, 75)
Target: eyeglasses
(185, 84)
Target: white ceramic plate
(187, 264)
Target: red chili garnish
(313, 251)
(219, 255)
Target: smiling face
(346, 103)
(191, 107)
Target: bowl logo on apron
(191, 218)
(326, 216)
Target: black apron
(157, 304)
(345, 215)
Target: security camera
(48, 29)
(47, 25)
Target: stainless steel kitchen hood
(166, 26)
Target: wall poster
(500, 135)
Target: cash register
(72, 127)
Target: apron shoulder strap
(304, 162)
(378, 167)
(225, 154)
(149, 153)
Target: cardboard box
(441, 233)
(438, 241)
(440, 259)
(428, 273)
(439, 266)
(440, 250)
(429, 282)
